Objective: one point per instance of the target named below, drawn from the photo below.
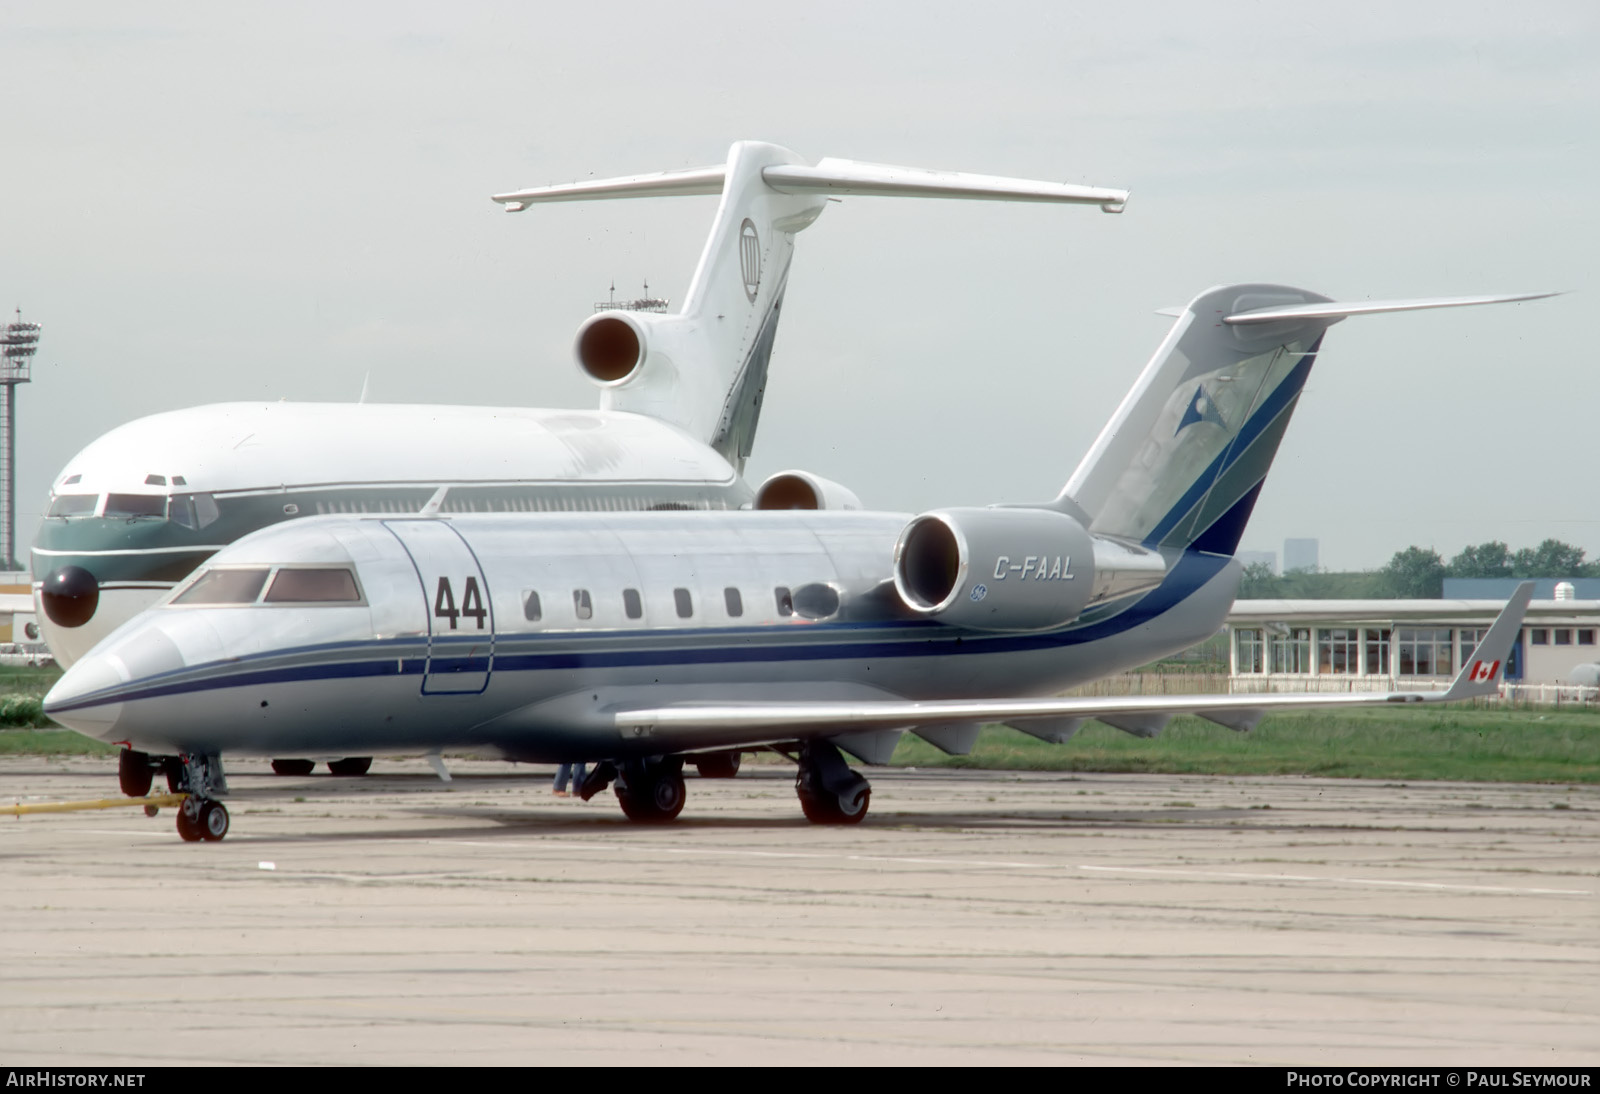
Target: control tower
(18, 341)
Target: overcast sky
(210, 202)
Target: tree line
(1419, 573)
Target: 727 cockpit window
(73, 505)
(225, 587)
(132, 506)
(328, 585)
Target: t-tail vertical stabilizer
(1181, 462)
(704, 368)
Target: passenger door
(456, 598)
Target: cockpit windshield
(319, 586)
(73, 505)
(225, 587)
(130, 506)
(289, 585)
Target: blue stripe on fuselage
(814, 642)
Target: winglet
(1483, 675)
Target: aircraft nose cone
(72, 701)
(70, 596)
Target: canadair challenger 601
(641, 641)
(137, 510)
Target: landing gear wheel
(189, 821)
(651, 795)
(213, 821)
(294, 767)
(134, 773)
(354, 765)
(718, 765)
(829, 792)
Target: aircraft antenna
(18, 342)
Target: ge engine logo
(750, 259)
(979, 592)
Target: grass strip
(1489, 744)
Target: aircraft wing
(1143, 715)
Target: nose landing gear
(201, 816)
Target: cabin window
(582, 603)
(225, 587)
(735, 602)
(632, 604)
(684, 603)
(785, 601)
(327, 585)
(179, 480)
(531, 610)
(155, 480)
(73, 505)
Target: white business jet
(639, 641)
(680, 394)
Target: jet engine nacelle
(803, 490)
(611, 346)
(1014, 569)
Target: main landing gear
(830, 792)
(201, 816)
(349, 766)
(651, 790)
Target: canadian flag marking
(1481, 671)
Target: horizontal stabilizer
(1335, 311)
(832, 178)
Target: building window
(1249, 650)
(1337, 650)
(531, 611)
(632, 605)
(582, 603)
(1377, 651)
(1424, 651)
(1585, 636)
(1539, 636)
(1563, 636)
(684, 602)
(1291, 651)
(734, 602)
(1470, 637)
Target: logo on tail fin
(750, 259)
(1201, 409)
(1480, 671)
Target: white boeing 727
(137, 510)
(635, 641)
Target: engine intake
(1013, 569)
(803, 490)
(610, 347)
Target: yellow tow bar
(152, 801)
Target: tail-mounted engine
(803, 490)
(611, 347)
(1013, 569)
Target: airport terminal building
(1380, 645)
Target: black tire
(350, 766)
(294, 767)
(213, 821)
(189, 821)
(134, 773)
(718, 765)
(825, 808)
(653, 801)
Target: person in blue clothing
(569, 774)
